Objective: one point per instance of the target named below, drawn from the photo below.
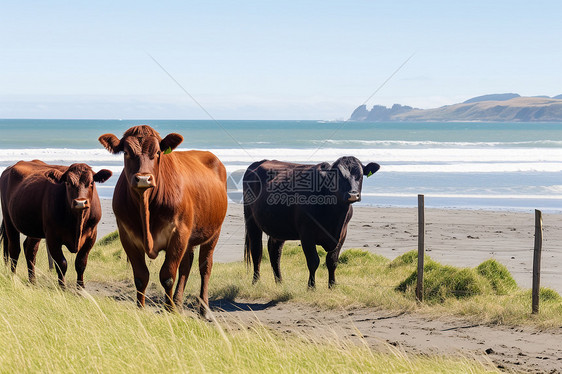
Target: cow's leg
(332, 256)
(312, 260)
(55, 249)
(140, 274)
(136, 257)
(331, 263)
(174, 254)
(30, 247)
(184, 270)
(82, 260)
(12, 245)
(274, 247)
(254, 245)
(205, 265)
(4, 240)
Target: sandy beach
(453, 237)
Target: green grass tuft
(358, 257)
(442, 282)
(489, 287)
(499, 277)
(110, 238)
(546, 295)
(408, 258)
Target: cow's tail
(247, 253)
(3, 241)
(247, 215)
(251, 188)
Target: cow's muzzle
(80, 204)
(143, 181)
(353, 196)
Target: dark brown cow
(167, 202)
(58, 203)
(308, 202)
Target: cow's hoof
(169, 306)
(179, 305)
(205, 314)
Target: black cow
(308, 202)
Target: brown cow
(167, 202)
(58, 203)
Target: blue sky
(269, 59)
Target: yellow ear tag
(167, 151)
(370, 173)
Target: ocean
(495, 166)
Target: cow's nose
(80, 204)
(144, 180)
(353, 196)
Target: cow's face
(350, 172)
(79, 180)
(143, 150)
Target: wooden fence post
(537, 261)
(421, 239)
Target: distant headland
(508, 107)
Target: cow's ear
(323, 168)
(370, 169)
(170, 142)
(102, 175)
(111, 143)
(55, 176)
